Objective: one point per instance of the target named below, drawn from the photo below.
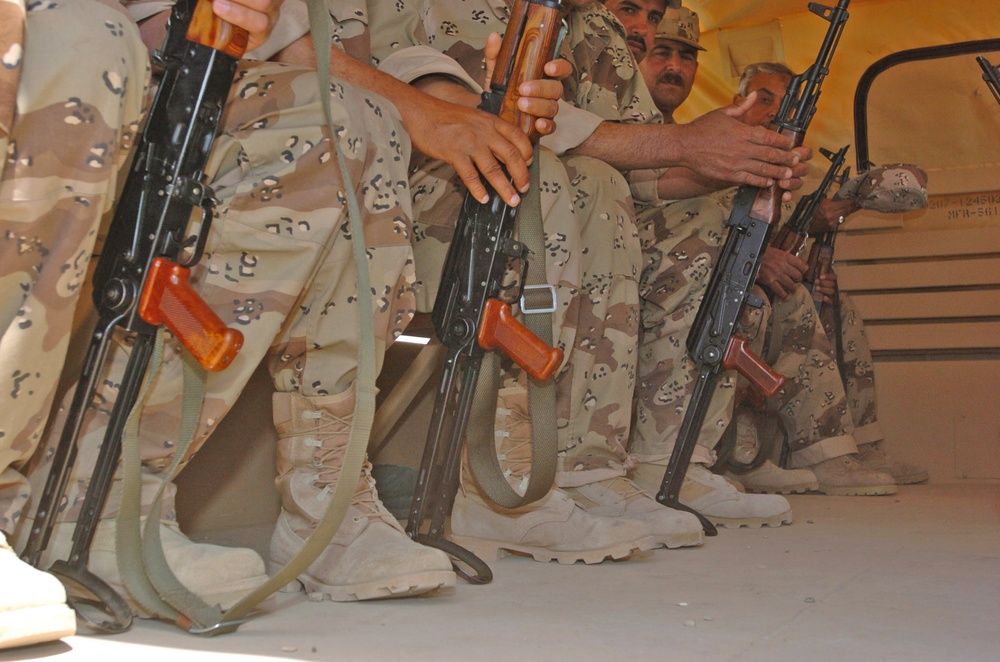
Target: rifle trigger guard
(207, 205)
(538, 305)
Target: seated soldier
(63, 136)
(681, 243)
(842, 339)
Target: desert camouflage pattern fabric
(856, 366)
(680, 24)
(681, 242)
(279, 265)
(592, 249)
(75, 112)
(606, 82)
(11, 51)
(812, 405)
(893, 188)
(836, 405)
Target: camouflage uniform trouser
(279, 265)
(592, 259)
(681, 242)
(811, 404)
(857, 368)
(78, 107)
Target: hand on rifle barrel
(780, 272)
(723, 148)
(479, 144)
(826, 285)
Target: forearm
(404, 96)
(632, 146)
(680, 183)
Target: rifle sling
(195, 618)
(481, 434)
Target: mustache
(671, 78)
(638, 41)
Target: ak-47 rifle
(712, 342)
(794, 233)
(469, 317)
(991, 74)
(141, 280)
(820, 259)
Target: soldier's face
(770, 89)
(669, 72)
(640, 18)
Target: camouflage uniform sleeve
(605, 80)
(293, 23)
(11, 51)
(573, 126)
(413, 62)
(397, 26)
(140, 10)
(607, 83)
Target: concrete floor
(914, 576)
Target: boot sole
(417, 583)
(495, 550)
(858, 490)
(677, 540)
(752, 522)
(911, 480)
(801, 488)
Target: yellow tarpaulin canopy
(938, 113)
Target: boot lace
(328, 460)
(513, 439)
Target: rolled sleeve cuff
(414, 62)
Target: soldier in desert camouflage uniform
(681, 233)
(812, 402)
(67, 120)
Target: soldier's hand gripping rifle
(794, 233)
(469, 316)
(991, 74)
(141, 280)
(712, 342)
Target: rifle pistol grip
(501, 330)
(169, 299)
